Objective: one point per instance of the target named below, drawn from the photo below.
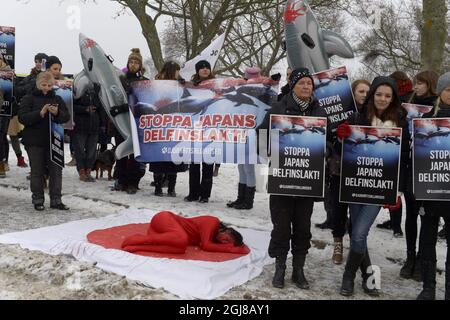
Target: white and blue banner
(214, 122)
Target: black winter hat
(202, 64)
(51, 61)
(298, 74)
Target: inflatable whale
(100, 73)
(307, 44)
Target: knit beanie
(202, 64)
(443, 82)
(298, 74)
(135, 55)
(252, 73)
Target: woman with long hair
(382, 109)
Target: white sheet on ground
(185, 278)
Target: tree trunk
(434, 34)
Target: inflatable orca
(100, 73)
(307, 44)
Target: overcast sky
(42, 26)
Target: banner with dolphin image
(297, 157)
(431, 159)
(6, 86)
(7, 44)
(414, 111)
(370, 165)
(334, 93)
(213, 122)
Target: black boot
(240, 198)
(280, 269)
(417, 274)
(354, 260)
(159, 179)
(447, 280)
(429, 281)
(365, 264)
(248, 199)
(172, 178)
(407, 270)
(298, 276)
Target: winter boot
(240, 198)
(407, 270)
(298, 276)
(354, 260)
(89, 178)
(2, 169)
(21, 162)
(159, 179)
(365, 264)
(82, 175)
(417, 274)
(338, 251)
(172, 183)
(429, 280)
(280, 270)
(248, 199)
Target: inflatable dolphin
(307, 44)
(100, 73)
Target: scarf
(302, 104)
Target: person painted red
(170, 233)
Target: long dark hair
(391, 113)
(168, 71)
(238, 240)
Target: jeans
(247, 174)
(362, 217)
(85, 147)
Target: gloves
(395, 206)
(343, 131)
(181, 81)
(276, 77)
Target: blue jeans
(362, 217)
(247, 174)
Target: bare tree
(396, 41)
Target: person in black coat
(128, 171)
(87, 125)
(291, 215)
(200, 174)
(381, 109)
(434, 210)
(34, 113)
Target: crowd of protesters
(378, 104)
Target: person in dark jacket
(382, 109)
(128, 171)
(200, 184)
(424, 94)
(291, 215)
(28, 84)
(34, 113)
(434, 210)
(167, 170)
(87, 125)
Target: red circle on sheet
(112, 238)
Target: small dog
(105, 162)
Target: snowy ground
(28, 274)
